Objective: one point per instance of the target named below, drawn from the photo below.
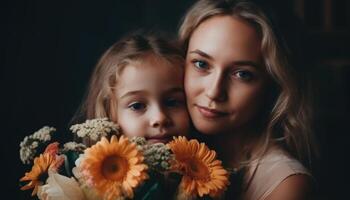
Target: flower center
(197, 169)
(114, 168)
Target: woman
(243, 95)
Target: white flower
(29, 145)
(76, 169)
(95, 128)
(73, 146)
(43, 134)
(158, 156)
(140, 142)
(60, 187)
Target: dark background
(48, 49)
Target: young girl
(243, 95)
(138, 83)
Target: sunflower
(39, 173)
(113, 167)
(202, 173)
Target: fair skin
(293, 188)
(227, 87)
(151, 101)
(223, 81)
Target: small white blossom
(44, 134)
(30, 143)
(73, 146)
(158, 156)
(139, 141)
(35, 144)
(95, 128)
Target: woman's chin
(206, 129)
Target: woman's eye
(137, 106)
(244, 75)
(200, 64)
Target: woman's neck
(235, 146)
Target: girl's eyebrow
(131, 93)
(201, 53)
(143, 92)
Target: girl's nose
(216, 87)
(159, 119)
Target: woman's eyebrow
(237, 63)
(201, 53)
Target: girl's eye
(137, 106)
(244, 75)
(172, 102)
(200, 64)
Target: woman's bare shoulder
(294, 187)
(277, 174)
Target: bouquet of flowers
(107, 165)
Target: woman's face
(225, 79)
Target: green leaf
(152, 188)
(69, 162)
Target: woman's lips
(210, 113)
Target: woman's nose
(216, 88)
(159, 118)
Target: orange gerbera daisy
(39, 173)
(114, 168)
(202, 173)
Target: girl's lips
(159, 139)
(210, 113)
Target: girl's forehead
(150, 66)
(153, 60)
(148, 78)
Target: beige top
(268, 172)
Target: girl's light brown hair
(100, 100)
(289, 120)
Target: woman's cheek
(187, 84)
(249, 100)
(192, 84)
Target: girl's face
(151, 101)
(224, 78)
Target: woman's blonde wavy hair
(100, 100)
(289, 121)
